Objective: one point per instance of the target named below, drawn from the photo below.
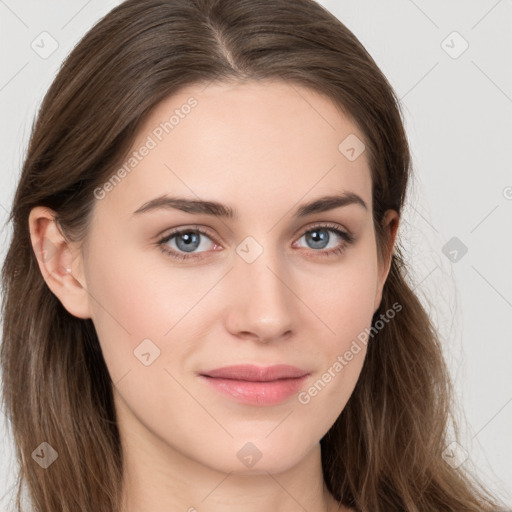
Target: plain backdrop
(449, 62)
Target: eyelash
(347, 238)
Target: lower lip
(257, 393)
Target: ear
(390, 223)
(60, 262)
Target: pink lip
(257, 385)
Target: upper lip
(254, 373)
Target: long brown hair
(384, 452)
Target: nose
(262, 301)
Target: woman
(205, 247)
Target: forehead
(253, 143)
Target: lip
(251, 372)
(256, 385)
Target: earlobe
(59, 261)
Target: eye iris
(190, 239)
(318, 236)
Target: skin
(263, 148)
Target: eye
(186, 240)
(319, 239)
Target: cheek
(344, 302)
(344, 298)
(134, 300)
(348, 310)
(128, 303)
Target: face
(274, 283)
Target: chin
(254, 455)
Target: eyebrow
(216, 209)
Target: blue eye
(188, 240)
(319, 237)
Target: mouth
(256, 385)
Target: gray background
(457, 107)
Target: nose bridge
(264, 301)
